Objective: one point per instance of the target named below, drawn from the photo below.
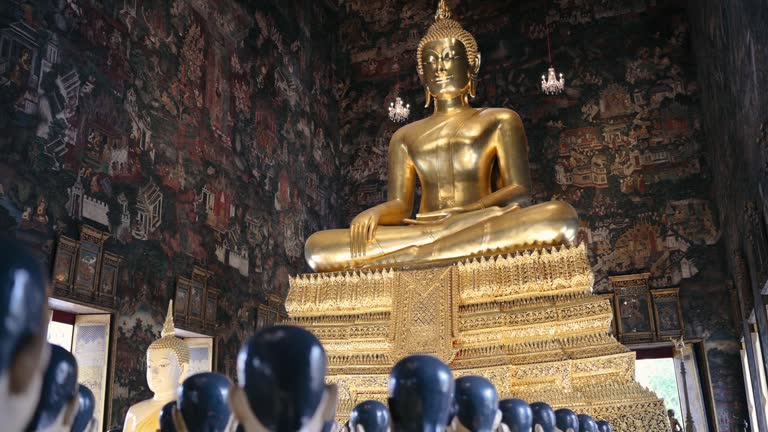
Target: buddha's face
(446, 68)
(164, 373)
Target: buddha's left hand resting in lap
(453, 153)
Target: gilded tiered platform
(527, 321)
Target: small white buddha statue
(167, 367)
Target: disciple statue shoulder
(167, 367)
(472, 164)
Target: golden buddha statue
(167, 367)
(472, 165)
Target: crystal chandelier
(550, 84)
(397, 111)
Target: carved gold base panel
(526, 321)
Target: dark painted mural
(623, 144)
(734, 103)
(730, 41)
(194, 132)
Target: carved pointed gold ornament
(168, 328)
(443, 11)
(168, 339)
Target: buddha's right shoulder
(503, 115)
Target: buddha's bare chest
(462, 157)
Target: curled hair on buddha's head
(168, 339)
(445, 27)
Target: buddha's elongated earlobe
(473, 73)
(428, 96)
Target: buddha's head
(421, 390)
(543, 417)
(281, 370)
(447, 58)
(604, 426)
(167, 360)
(567, 420)
(24, 354)
(516, 414)
(369, 416)
(587, 423)
(478, 404)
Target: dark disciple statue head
(420, 394)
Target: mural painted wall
(734, 102)
(195, 132)
(736, 128)
(623, 144)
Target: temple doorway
(659, 368)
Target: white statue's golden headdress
(168, 339)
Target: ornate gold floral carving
(528, 322)
(425, 312)
(340, 293)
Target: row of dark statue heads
(281, 373)
(281, 384)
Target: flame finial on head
(168, 329)
(443, 11)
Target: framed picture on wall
(196, 302)
(64, 263)
(668, 314)
(181, 301)
(634, 314)
(107, 285)
(108, 280)
(261, 320)
(264, 316)
(87, 266)
(632, 300)
(211, 307)
(89, 262)
(85, 273)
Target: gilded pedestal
(527, 321)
